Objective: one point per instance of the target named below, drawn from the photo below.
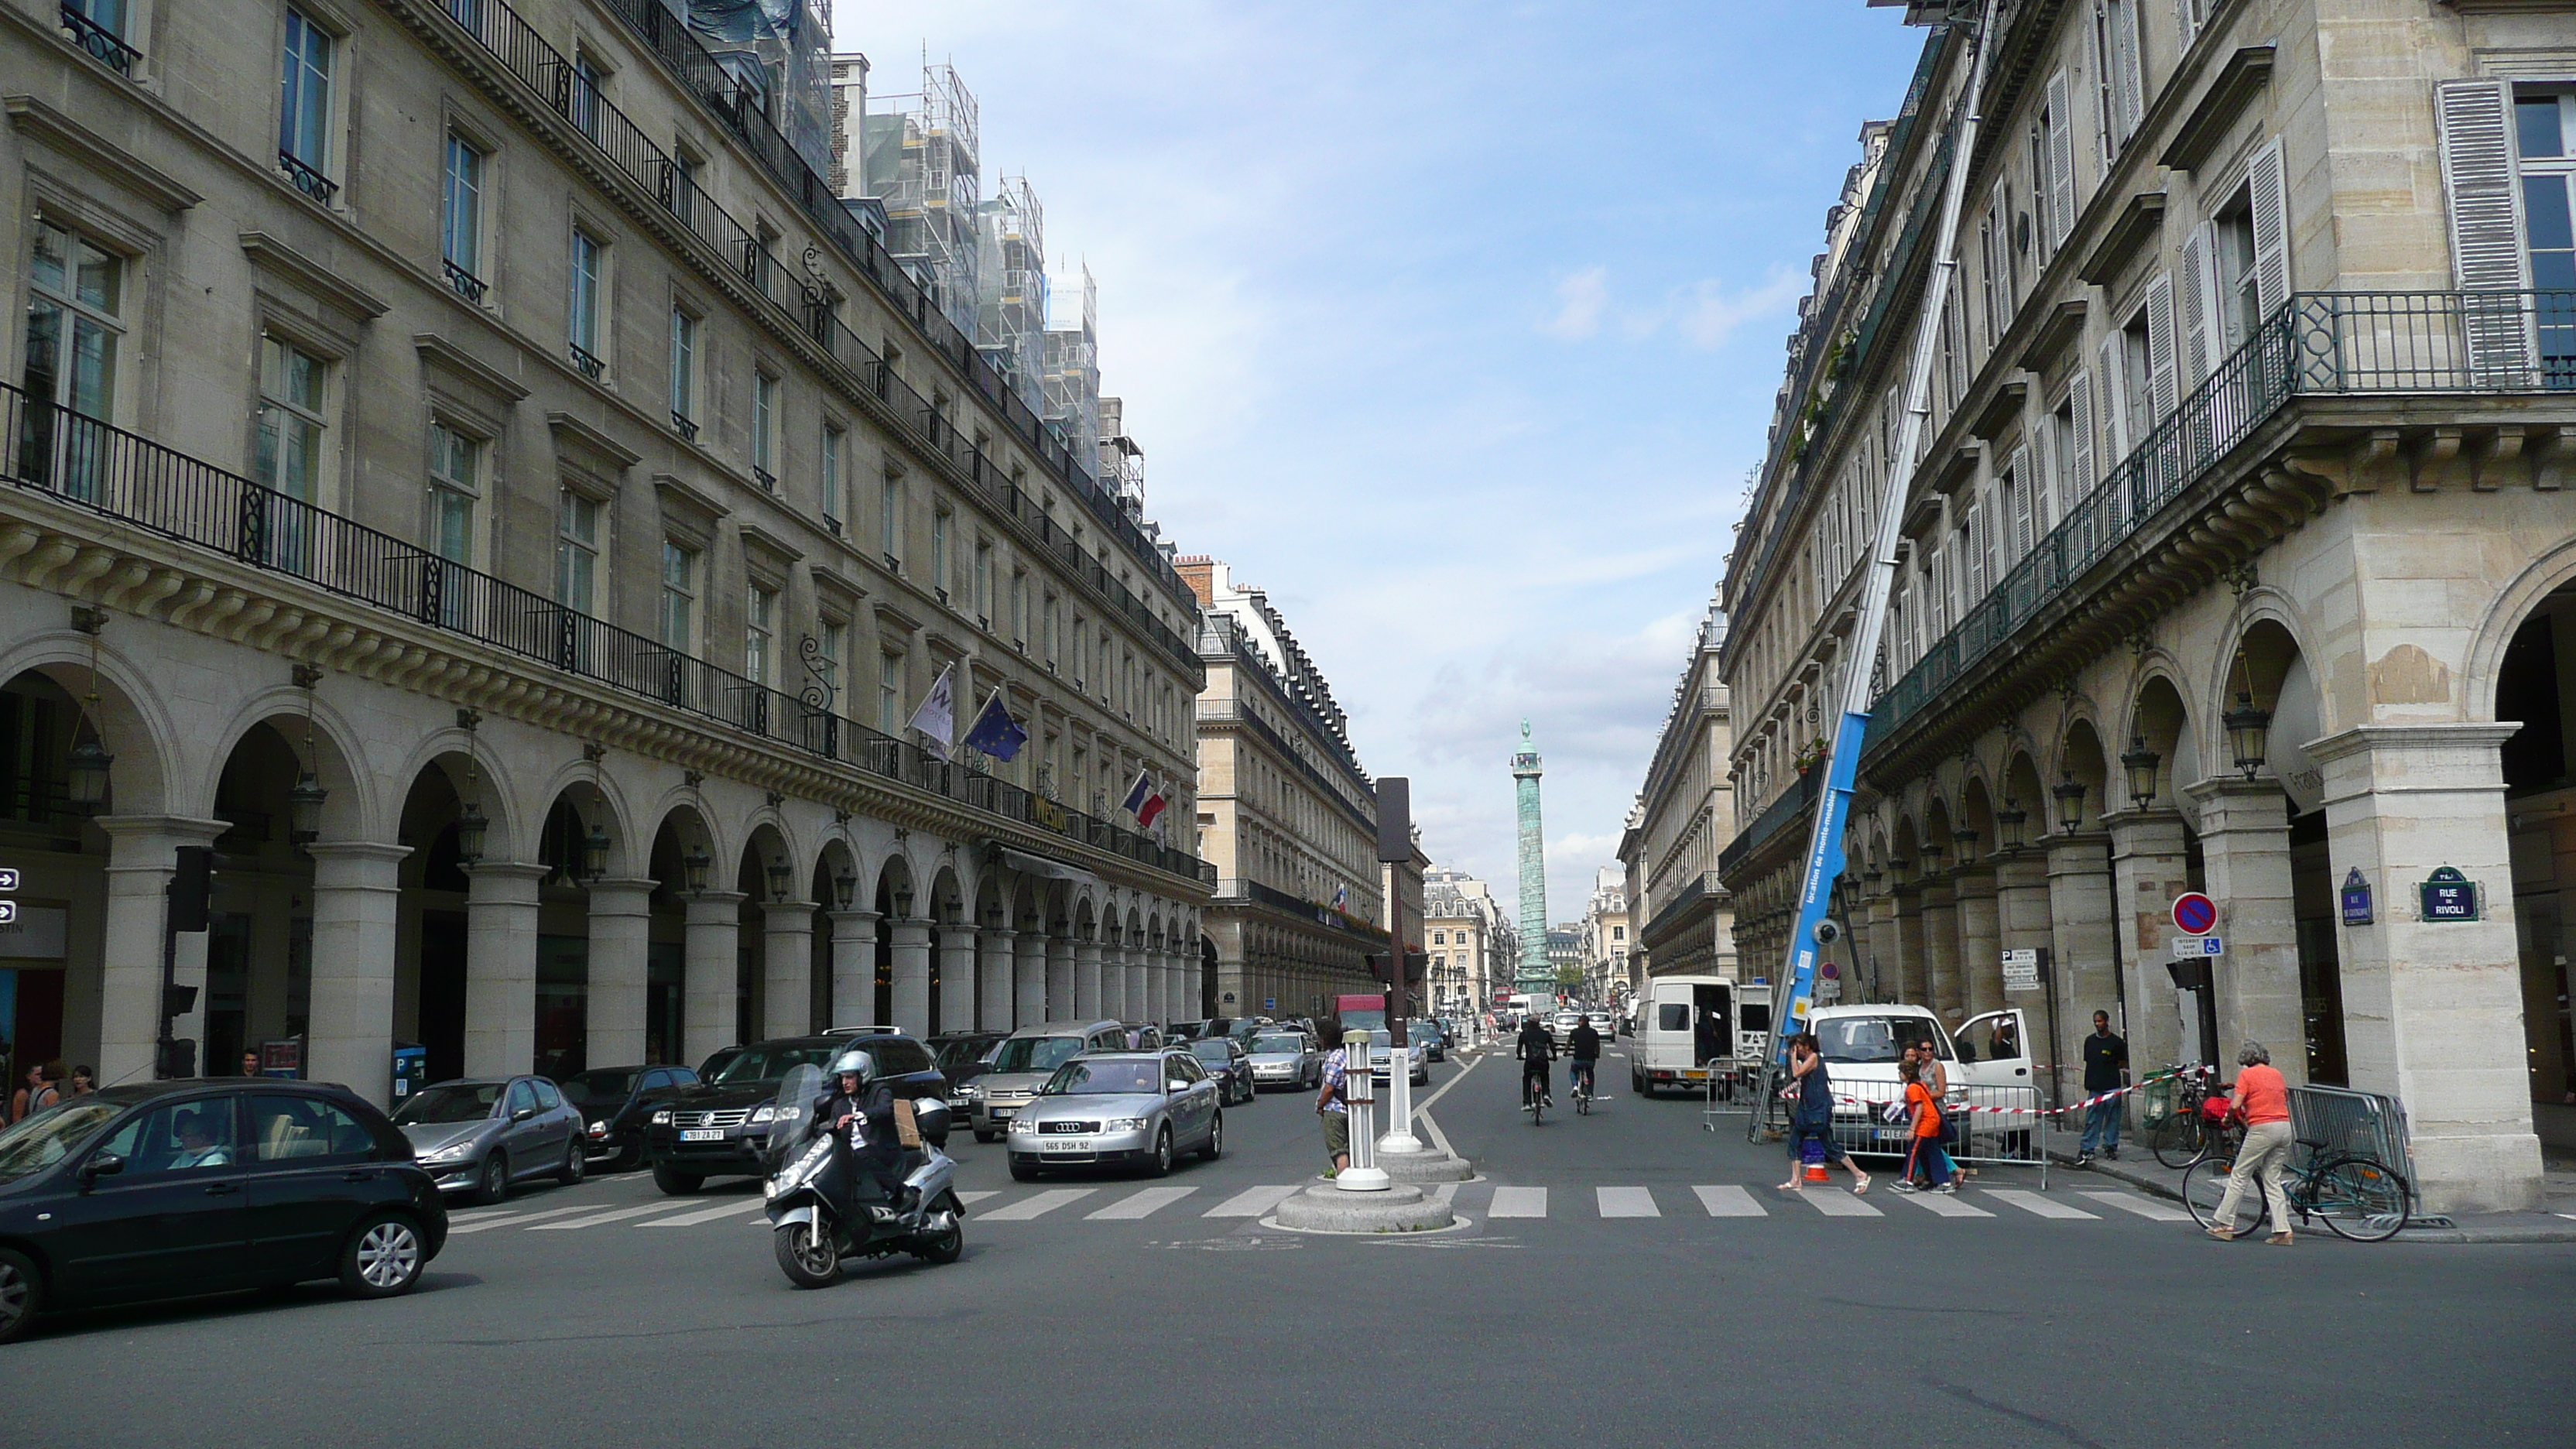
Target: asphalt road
(1624, 1306)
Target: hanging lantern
(1967, 844)
(903, 903)
(470, 826)
(2070, 803)
(2248, 730)
(594, 853)
(2141, 764)
(777, 873)
(693, 868)
(87, 780)
(1931, 858)
(2009, 822)
(845, 887)
(304, 809)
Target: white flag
(937, 717)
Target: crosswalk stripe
(2130, 1202)
(2033, 1203)
(595, 1219)
(1944, 1205)
(1252, 1202)
(1835, 1204)
(1626, 1202)
(1730, 1202)
(706, 1215)
(520, 1220)
(972, 1198)
(1140, 1204)
(1038, 1205)
(1518, 1202)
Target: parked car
(1143, 1036)
(486, 1135)
(1024, 1062)
(1284, 1057)
(1119, 1108)
(1228, 1064)
(1181, 1031)
(171, 1189)
(961, 1057)
(614, 1102)
(720, 1127)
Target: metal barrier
(1997, 1125)
(2336, 1121)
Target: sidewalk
(2139, 1169)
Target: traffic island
(1429, 1165)
(1401, 1208)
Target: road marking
(2132, 1203)
(1253, 1202)
(972, 1198)
(1140, 1204)
(1426, 1102)
(620, 1215)
(504, 1220)
(1835, 1204)
(1518, 1202)
(1626, 1202)
(1039, 1205)
(1439, 1138)
(706, 1215)
(1730, 1202)
(1445, 1194)
(2031, 1202)
(1944, 1205)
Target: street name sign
(2356, 899)
(2449, 896)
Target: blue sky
(1455, 326)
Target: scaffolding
(779, 53)
(921, 161)
(1071, 371)
(1011, 307)
(1122, 463)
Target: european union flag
(995, 732)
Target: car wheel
(1216, 1138)
(627, 1160)
(576, 1165)
(494, 1184)
(1162, 1166)
(675, 1183)
(21, 1293)
(384, 1257)
(1024, 1172)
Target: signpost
(2196, 916)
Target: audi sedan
(486, 1137)
(1284, 1059)
(1134, 1109)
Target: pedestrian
(2262, 1099)
(1811, 1116)
(2106, 1069)
(19, 1099)
(44, 1087)
(1936, 1080)
(250, 1062)
(1330, 1103)
(84, 1081)
(1925, 1110)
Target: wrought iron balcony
(591, 367)
(767, 480)
(99, 41)
(685, 426)
(307, 180)
(467, 285)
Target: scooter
(816, 1223)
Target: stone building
(1472, 943)
(1607, 937)
(1287, 816)
(1684, 919)
(490, 491)
(2232, 559)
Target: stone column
(2079, 911)
(1087, 980)
(993, 996)
(956, 976)
(1942, 989)
(1060, 996)
(2148, 866)
(786, 968)
(1029, 980)
(854, 968)
(142, 855)
(1913, 980)
(2433, 1009)
(709, 971)
(2245, 858)
(1137, 1005)
(910, 950)
(1981, 968)
(621, 925)
(2021, 915)
(351, 1026)
(500, 966)
(1884, 962)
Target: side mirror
(105, 1164)
(523, 1114)
(1176, 1085)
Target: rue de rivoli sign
(2449, 896)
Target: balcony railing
(307, 180)
(1243, 888)
(467, 285)
(1790, 805)
(591, 367)
(99, 41)
(80, 460)
(2316, 344)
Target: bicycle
(2184, 1135)
(1581, 1087)
(1534, 1093)
(2358, 1197)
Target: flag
(937, 717)
(1143, 800)
(1341, 896)
(995, 732)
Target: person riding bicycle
(1536, 1049)
(1584, 1045)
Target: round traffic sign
(1831, 971)
(2195, 914)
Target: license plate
(1895, 1134)
(1004, 1112)
(1694, 1075)
(1064, 1147)
(702, 1134)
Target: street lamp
(845, 887)
(470, 827)
(2008, 824)
(2141, 764)
(594, 853)
(2070, 802)
(1967, 844)
(693, 869)
(777, 873)
(87, 782)
(304, 809)
(903, 903)
(1931, 858)
(2248, 730)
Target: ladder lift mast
(1824, 861)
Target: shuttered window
(2061, 160)
(2486, 224)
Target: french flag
(1144, 801)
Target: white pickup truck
(1862, 1044)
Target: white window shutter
(2076, 479)
(2268, 189)
(2128, 37)
(2162, 389)
(2195, 305)
(2023, 485)
(2061, 160)
(2115, 416)
(2486, 226)
(2048, 459)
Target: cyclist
(1535, 1049)
(1584, 1045)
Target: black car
(720, 1127)
(959, 1056)
(1227, 1062)
(615, 1101)
(172, 1189)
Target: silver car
(1119, 1108)
(1023, 1063)
(1285, 1059)
(484, 1137)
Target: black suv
(614, 1103)
(720, 1127)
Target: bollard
(1399, 1102)
(1360, 1093)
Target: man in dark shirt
(2106, 1069)
(1584, 1045)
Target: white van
(1861, 1045)
(1686, 1028)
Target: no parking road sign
(2195, 914)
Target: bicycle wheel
(2179, 1141)
(2204, 1185)
(2359, 1199)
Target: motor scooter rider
(859, 1110)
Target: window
(764, 430)
(684, 373)
(74, 294)
(984, 583)
(1440, 938)
(759, 630)
(576, 550)
(460, 232)
(455, 482)
(893, 523)
(2240, 304)
(1618, 933)
(306, 1131)
(835, 483)
(587, 295)
(587, 80)
(1020, 608)
(304, 108)
(2545, 128)
(890, 693)
(289, 458)
(98, 26)
(187, 1137)
(679, 597)
(827, 663)
(939, 553)
(2119, 71)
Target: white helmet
(857, 1062)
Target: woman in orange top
(2262, 1098)
(1926, 1145)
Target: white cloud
(1710, 313)
(1580, 301)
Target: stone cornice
(40, 122)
